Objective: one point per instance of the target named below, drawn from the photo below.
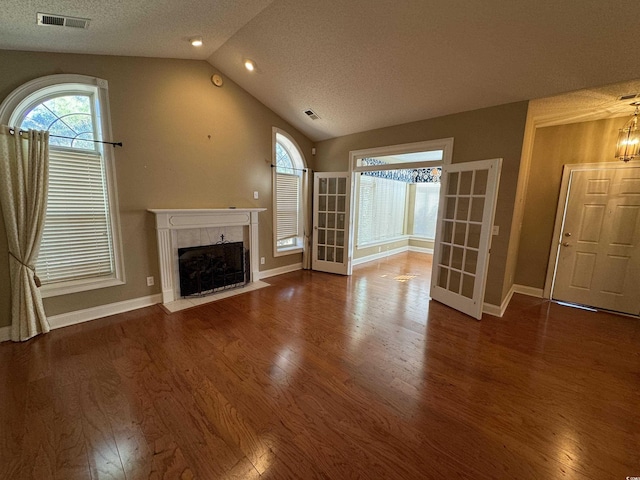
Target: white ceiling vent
(630, 96)
(48, 19)
(311, 114)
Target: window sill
(65, 288)
(287, 251)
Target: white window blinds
(381, 209)
(287, 205)
(426, 209)
(76, 243)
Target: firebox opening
(211, 268)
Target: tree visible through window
(80, 246)
(67, 116)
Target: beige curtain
(308, 214)
(24, 175)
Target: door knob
(566, 244)
(568, 234)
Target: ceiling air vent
(48, 19)
(311, 114)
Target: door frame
(561, 211)
(444, 144)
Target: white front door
(468, 197)
(331, 210)
(599, 251)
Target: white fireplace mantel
(168, 220)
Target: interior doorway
(596, 259)
(335, 213)
(395, 200)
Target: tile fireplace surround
(168, 224)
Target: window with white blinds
(426, 209)
(80, 248)
(288, 206)
(288, 214)
(77, 241)
(382, 205)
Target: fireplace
(212, 268)
(183, 229)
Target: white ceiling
(365, 64)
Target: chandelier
(628, 146)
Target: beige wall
(164, 111)
(421, 243)
(553, 147)
(478, 135)
(363, 252)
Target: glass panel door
(463, 236)
(332, 195)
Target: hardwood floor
(326, 377)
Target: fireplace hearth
(211, 268)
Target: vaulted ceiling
(365, 64)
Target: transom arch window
(287, 194)
(80, 248)
(284, 160)
(67, 115)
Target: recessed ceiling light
(249, 65)
(196, 41)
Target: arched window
(70, 116)
(80, 247)
(287, 195)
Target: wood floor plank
(102, 450)
(321, 376)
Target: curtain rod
(12, 131)
(290, 168)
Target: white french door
(598, 244)
(468, 197)
(331, 214)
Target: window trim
(299, 247)
(25, 97)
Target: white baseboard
(495, 310)
(88, 314)
(80, 316)
(420, 249)
(491, 309)
(531, 291)
(379, 255)
(279, 271)
(498, 311)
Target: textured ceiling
(586, 104)
(364, 64)
(156, 28)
